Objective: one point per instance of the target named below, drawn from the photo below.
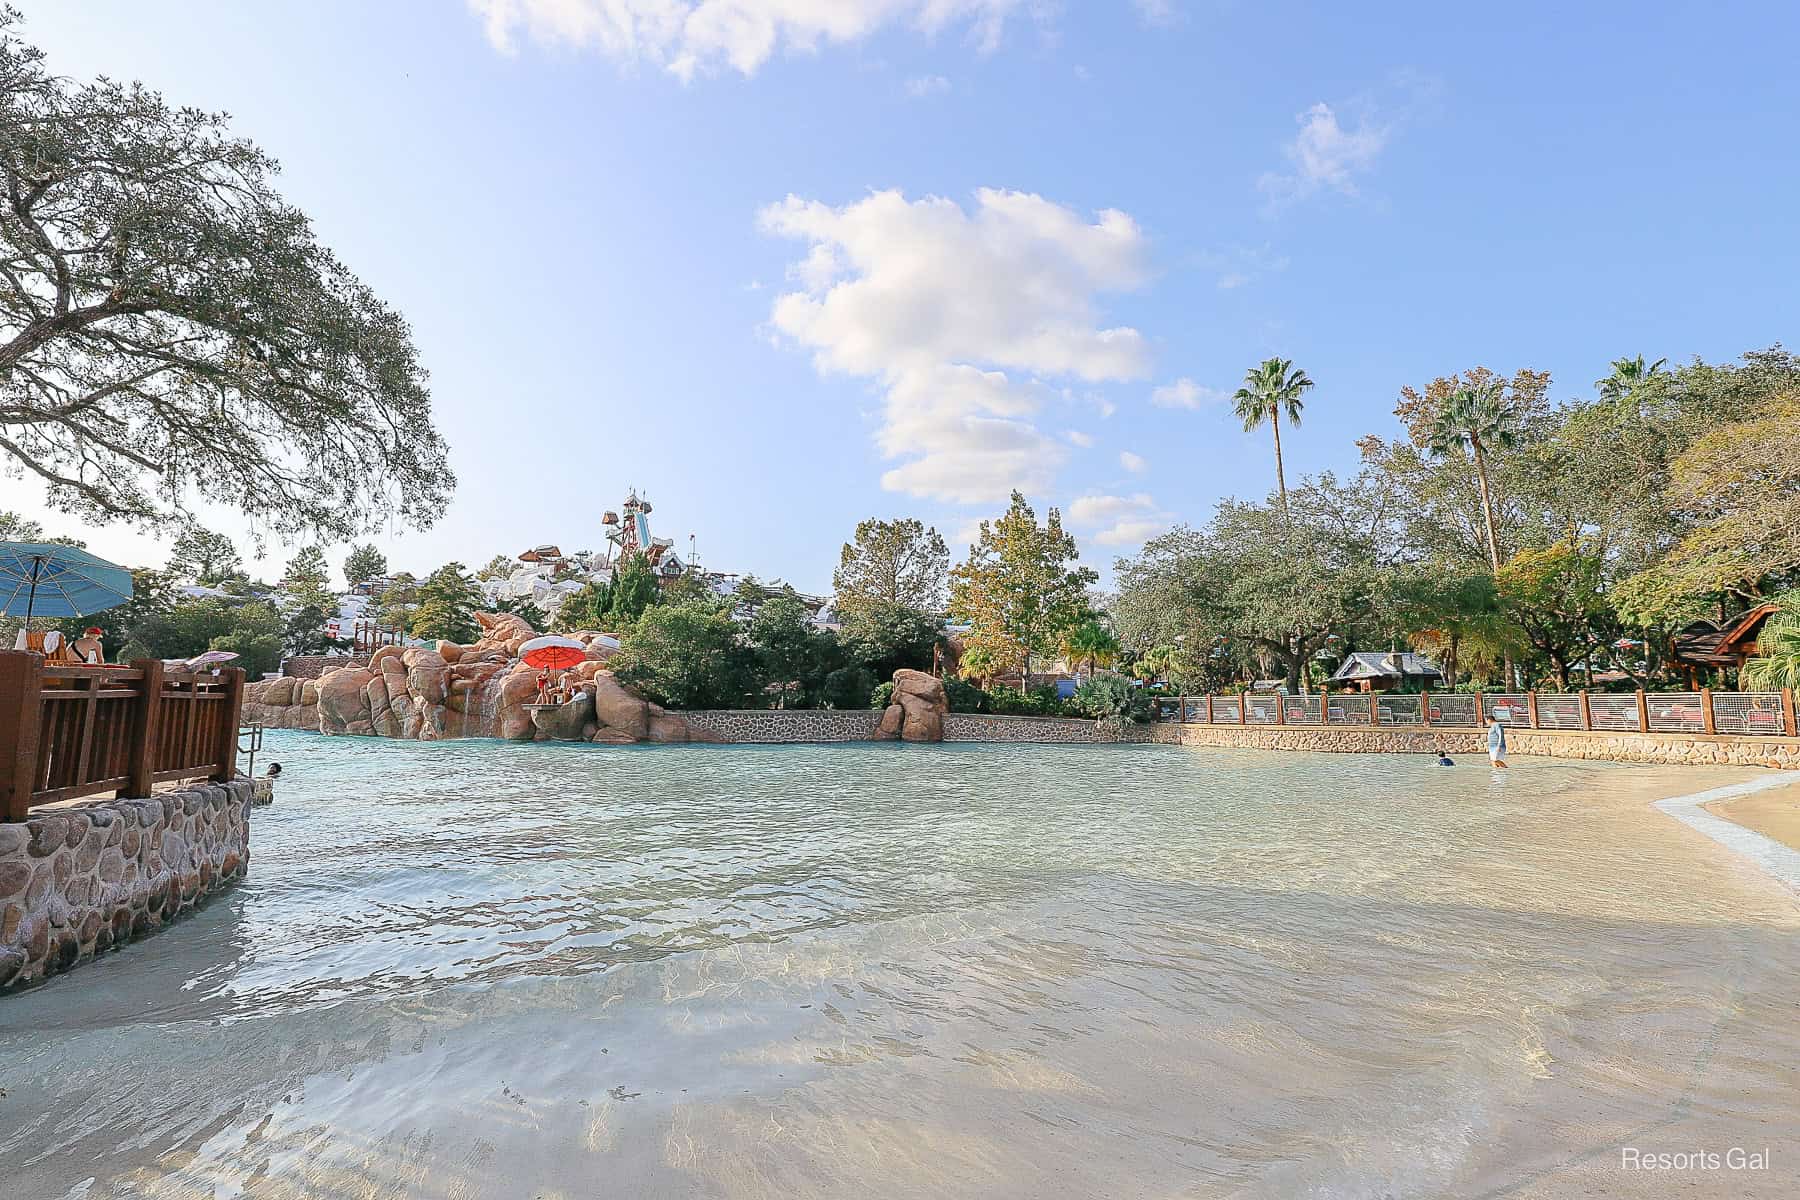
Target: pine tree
(447, 602)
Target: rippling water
(489, 970)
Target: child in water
(1444, 760)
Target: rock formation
(918, 711)
(457, 691)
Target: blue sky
(893, 257)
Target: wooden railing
(67, 732)
(1755, 714)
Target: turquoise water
(490, 970)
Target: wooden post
(1325, 703)
(228, 724)
(1425, 709)
(1182, 711)
(21, 707)
(1643, 712)
(1243, 708)
(1706, 712)
(1374, 707)
(1209, 708)
(1480, 710)
(1531, 708)
(1281, 699)
(1587, 711)
(145, 725)
(1787, 712)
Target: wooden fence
(1756, 714)
(67, 732)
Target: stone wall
(790, 725)
(988, 727)
(1667, 748)
(311, 666)
(77, 881)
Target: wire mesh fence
(1454, 711)
(1224, 710)
(1748, 712)
(1676, 712)
(1302, 710)
(1508, 708)
(1261, 708)
(1347, 710)
(1401, 710)
(1613, 712)
(1558, 711)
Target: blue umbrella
(45, 579)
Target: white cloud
(927, 85)
(1157, 12)
(691, 36)
(1185, 393)
(959, 315)
(1118, 520)
(1078, 438)
(1134, 463)
(1325, 155)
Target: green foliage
(1777, 662)
(1271, 391)
(589, 608)
(794, 656)
(395, 604)
(891, 564)
(362, 564)
(1112, 696)
(498, 567)
(448, 600)
(307, 580)
(203, 557)
(883, 695)
(530, 613)
(1038, 702)
(205, 345)
(689, 656)
(888, 637)
(1089, 642)
(965, 697)
(304, 632)
(848, 687)
(258, 654)
(1018, 590)
(634, 590)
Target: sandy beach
(1774, 814)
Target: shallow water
(489, 970)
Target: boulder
(279, 692)
(343, 699)
(308, 692)
(450, 652)
(511, 721)
(383, 654)
(565, 722)
(922, 705)
(381, 709)
(618, 707)
(667, 727)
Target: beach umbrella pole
(37, 564)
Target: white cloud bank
(691, 36)
(960, 315)
(1185, 393)
(1135, 463)
(1325, 155)
(1118, 520)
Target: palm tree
(1627, 373)
(1477, 419)
(1777, 662)
(1090, 642)
(1269, 391)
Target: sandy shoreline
(1774, 814)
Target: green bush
(1038, 702)
(883, 695)
(1109, 696)
(965, 697)
(849, 687)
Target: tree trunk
(1280, 475)
(1487, 507)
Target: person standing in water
(1496, 743)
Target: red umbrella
(552, 653)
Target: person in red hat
(88, 648)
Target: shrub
(883, 695)
(1107, 697)
(965, 697)
(1038, 702)
(849, 687)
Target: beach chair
(47, 642)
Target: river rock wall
(78, 881)
(1674, 749)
